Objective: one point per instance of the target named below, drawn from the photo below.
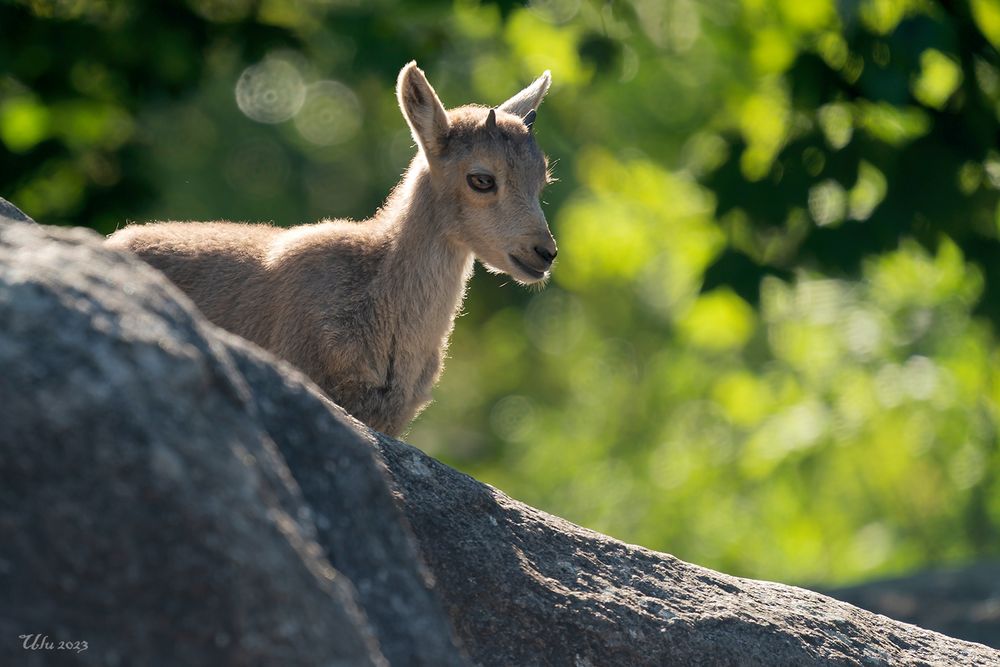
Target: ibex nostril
(546, 254)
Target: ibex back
(366, 308)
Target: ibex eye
(481, 182)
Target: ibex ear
(423, 111)
(528, 99)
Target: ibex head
(486, 163)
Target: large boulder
(173, 495)
(145, 506)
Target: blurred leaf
(764, 122)
(23, 123)
(987, 16)
(882, 16)
(867, 193)
(718, 320)
(891, 124)
(939, 77)
(540, 46)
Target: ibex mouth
(535, 274)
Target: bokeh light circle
(271, 91)
(331, 114)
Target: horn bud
(491, 120)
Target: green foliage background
(769, 345)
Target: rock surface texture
(962, 602)
(521, 584)
(172, 495)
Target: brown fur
(366, 308)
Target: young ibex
(365, 308)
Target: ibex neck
(426, 267)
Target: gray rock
(957, 601)
(144, 505)
(332, 459)
(9, 212)
(172, 495)
(528, 588)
